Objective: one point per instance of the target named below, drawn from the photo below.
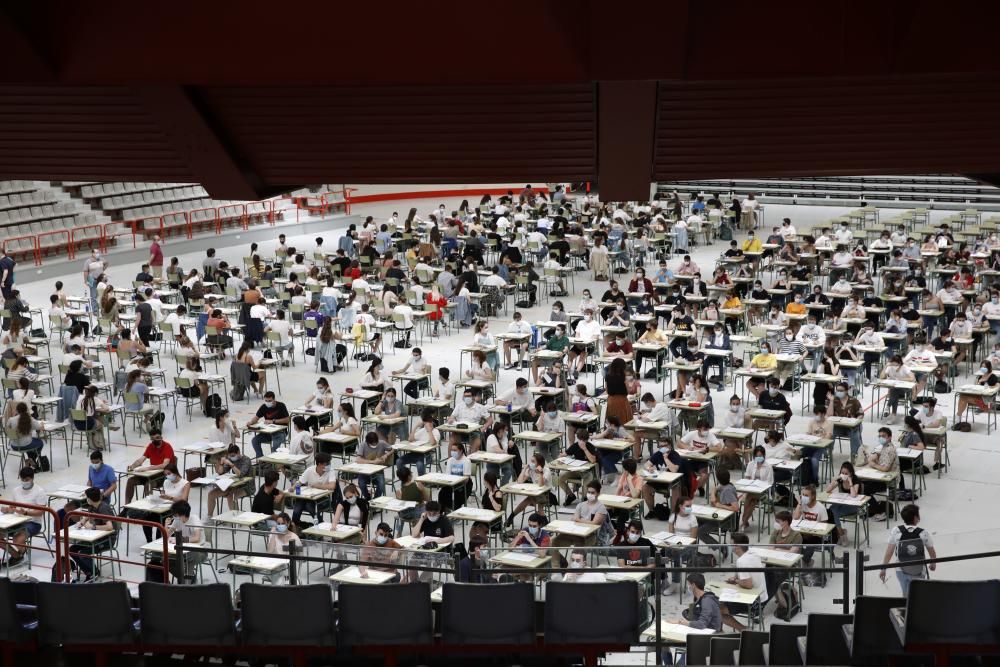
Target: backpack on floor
(156, 421)
(791, 594)
(213, 405)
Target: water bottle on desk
(510, 408)
(298, 488)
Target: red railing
(70, 250)
(54, 518)
(107, 234)
(34, 247)
(76, 242)
(100, 518)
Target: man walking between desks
(910, 543)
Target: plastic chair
(384, 615)
(823, 643)
(62, 623)
(950, 617)
(871, 636)
(513, 607)
(752, 647)
(782, 648)
(313, 624)
(615, 617)
(207, 619)
(722, 649)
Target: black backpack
(213, 405)
(910, 548)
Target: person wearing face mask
(519, 399)
(281, 535)
(390, 407)
(652, 337)
(425, 432)
(29, 493)
(590, 511)
(845, 405)
(846, 482)
(773, 399)
(549, 421)
(434, 527)
(373, 450)
(895, 371)
(637, 550)
(158, 453)
(522, 332)
(271, 411)
(586, 330)
(558, 342)
(921, 360)
(745, 560)
(320, 475)
(457, 463)
(378, 552)
(699, 440)
(238, 466)
(640, 284)
(757, 470)
(174, 488)
(809, 509)
(101, 475)
(764, 361)
(534, 536)
(884, 459)
(987, 378)
(681, 325)
(579, 573)
(352, 510)
(619, 346)
(813, 338)
(419, 366)
(991, 311)
(663, 459)
(783, 538)
(682, 522)
(498, 443)
(718, 340)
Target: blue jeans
(814, 459)
(503, 471)
(905, 579)
(276, 440)
(839, 511)
(855, 436)
(411, 458)
(379, 482)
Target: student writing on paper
(320, 475)
(845, 482)
(237, 465)
(175, 488)
(426, 432)
(457, 463)
(382, 542)
(629, 485)
(373, 450)
(549, 421)
(100, 511)
(663, 459)
(580, 450)
(534, 472)
(701, 440)
(809, 509)
(683, 523)
(158, 452)
(637, 550)
(433, 526)
(704, 612)
(352, 510)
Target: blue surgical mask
(534, 530)
(281, 528)
(882, 440)
(759, 460)
(381, 539)
(552, 414)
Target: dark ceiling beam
(626, 128)
(191, 133)
(20, 57)
(986, 179)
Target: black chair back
(872, 633)
(722, 649)
(312, 624)
(953, 612)
(697, 648)
(387, 614)
(512, 614)
(782, 646)
(76, 615)
(11, 627)
(825, 643)
(174, 615)
(752, 647)
(598, 613)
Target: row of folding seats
(17, 200)
(119, 202)
(95, 190)
(29, 213)
(7, 187)
(180, 206)
(86, 220)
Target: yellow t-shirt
(796, 308)
(751, 245)
(733, 302)
(764, 361)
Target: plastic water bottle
(298, 488)
(510, 408)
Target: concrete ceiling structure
(253, 98)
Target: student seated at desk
(630, 485)
(534, 472)
(757, 469)
(188, 526)
(773, 399)
(549, 421)
(433, 525)
(381, 543)
(99, 510)
(268, 497)
(272, 411)
(238, 465)
(159, 455)
(451, 498)
(724, 496)
(320, 475)
(472, 568)
(845, 482)
(637, 550)
(29, 493)
(534, 536)
(987, 378)
(281, 535)
(580, 450)
(580, 574)
(783, 538)
(518, 398)
(882, 458)
(700, 440)
(352, 510)
(747, 580)
(683, 523)
(809, 509)
(664, 458)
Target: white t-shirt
(925, 536)
(282, 328)
(420, 435)
(311, 476)
(815, 513)
(174, 489)
(461, 467)
(696, 441)
(34, 496)
(588, 330)
(301, 443)
(746, 561)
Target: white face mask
(633, 537)
(468, 401)
(381, 539)
(734, 408)
(591, 496)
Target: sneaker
(878, 517)
(669, 590)
(570, 499)
(842, 542)
(936, 466)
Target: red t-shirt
(156, 255)
(157, 455)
